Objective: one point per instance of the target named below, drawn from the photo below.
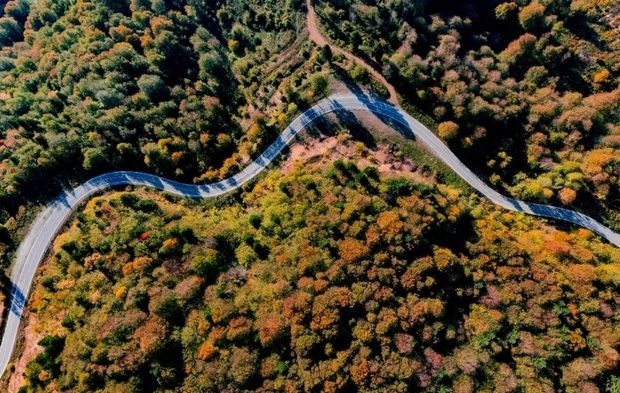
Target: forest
(331, 277)
(527, 91)
(328, 275)
(185, 89)
(193, 89)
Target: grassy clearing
(415, 152)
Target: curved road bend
(49, 222)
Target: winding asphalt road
(49, 222)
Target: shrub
(207, 262)
(448, 130)
(255, 220)
(532, 16)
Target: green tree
(95, 159)
(10, 30)
(207, 262)
(153, 87)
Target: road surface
(49, 222)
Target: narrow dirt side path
(315, 35)
(30, 350)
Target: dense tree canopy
(336, 277)
(325, 279)
(98, 84)
(186, 89)
(532, 85)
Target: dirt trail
(318, 38)
(31, 349)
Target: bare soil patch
(30, 349)
(329, 149)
